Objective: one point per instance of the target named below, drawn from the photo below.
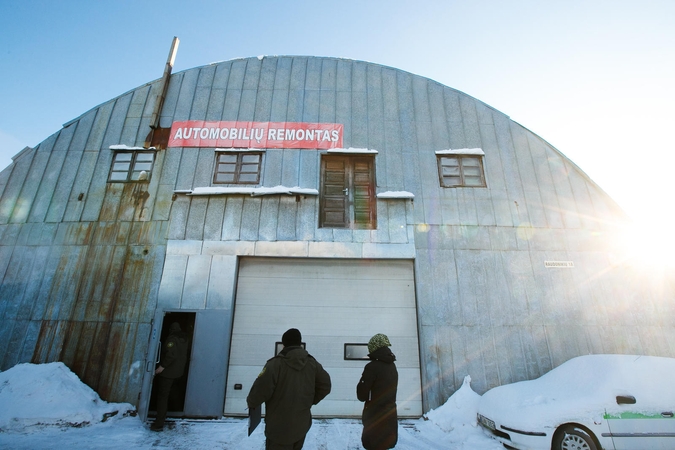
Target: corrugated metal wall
(80, 258)
(76, 281)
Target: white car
(592, 402)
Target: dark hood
(182, 335)
(294, 357)
(383, 354)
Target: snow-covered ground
(46, 406)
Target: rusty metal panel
(97, 348)
(65, 282)
(13, 284)
(71, 342)
(82, 343)
(136, 284)
(148, 233)
(45, 341)
(77, 233)
(112, 364)
(134, 198)
(5, 334)
(64, 186)
(96, 279)
(108, 233)
(80, 187)
(15, 342)
(97, 188)
(30, 341)
(111, 202)
(32, 283)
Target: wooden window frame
(461, 159)
(135, 166)
(239, 163)
(359, 187)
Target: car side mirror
(625, 400)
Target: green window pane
(118, 176)
(123, 157)
(121, 167)
(145, 157)
(224, 178)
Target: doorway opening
(176, 405)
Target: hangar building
(341, 197)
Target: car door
(637, 427)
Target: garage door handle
(346, 191)
(667, 414)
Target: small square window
(237, 168)
(131, 166)
(461, 171)
(356, 352)
(279, 346)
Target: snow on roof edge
(461, 151)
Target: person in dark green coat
(377, 388)
(171, 366)
(289, 384)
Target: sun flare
(650, 244)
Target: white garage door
(332, 302)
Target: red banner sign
(199, 133)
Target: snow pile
(50, 394)
(459, 411)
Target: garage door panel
(328, 350)
(324, 269)
(332, 302)
(317, 320)
(395, 293)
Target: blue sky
(595, 78)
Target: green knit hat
(378, 341)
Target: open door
(208, 369)
(200, 392)
(176, 406)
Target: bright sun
(651, 244)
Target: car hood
(583, 389)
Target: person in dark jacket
(377, 388)
(289, 384)
(171, 366)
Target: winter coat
(377, 388)
(174, 355)
(289, 384)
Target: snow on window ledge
(461, 151)
(126, 147)
(352, 150)
(252, 191)
(396, 194)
